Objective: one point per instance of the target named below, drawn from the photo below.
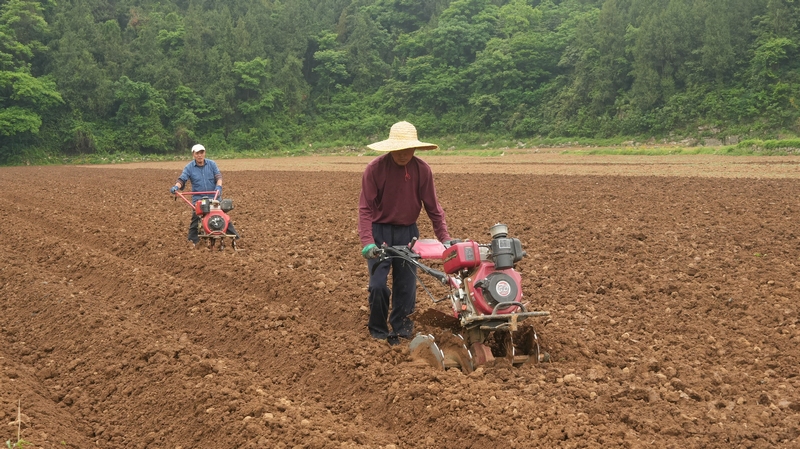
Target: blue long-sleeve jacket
(203, 179)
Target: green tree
(663, 43)
(256, 93)
(366, 45)
(463, 30)
(188, 111)
(400, 17)
(85, 82)
(139, 116)
(774, 72)
(330, 64)
(23, 96)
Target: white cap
(197, 148)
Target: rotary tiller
(214, 219)
(485, 294)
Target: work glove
(370, 251)
(173, 189)
(451, 242)
(219, 189)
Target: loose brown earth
(673, 300)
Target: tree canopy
(100, 76)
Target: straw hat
(402, 136)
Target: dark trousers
(193, 236)
(403, 294)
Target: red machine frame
(485, 294)
(214, 219)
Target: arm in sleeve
(183, 177)
(366, 202)
(217, 175)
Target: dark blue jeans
(403, 294)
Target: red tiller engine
(214, 215)
(493, 283)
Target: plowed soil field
(672, 284)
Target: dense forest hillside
(155, 76)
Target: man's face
(200, 157)
(402, 157)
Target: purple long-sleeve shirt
(395, 194)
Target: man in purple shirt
(394, 188)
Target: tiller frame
(485, 295)
(214, 218)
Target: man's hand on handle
(370, 251)
(451, 242)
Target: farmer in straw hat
(394, 188)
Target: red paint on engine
(480, 302)
(210, 216)
(429, 248)
(463, 255)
